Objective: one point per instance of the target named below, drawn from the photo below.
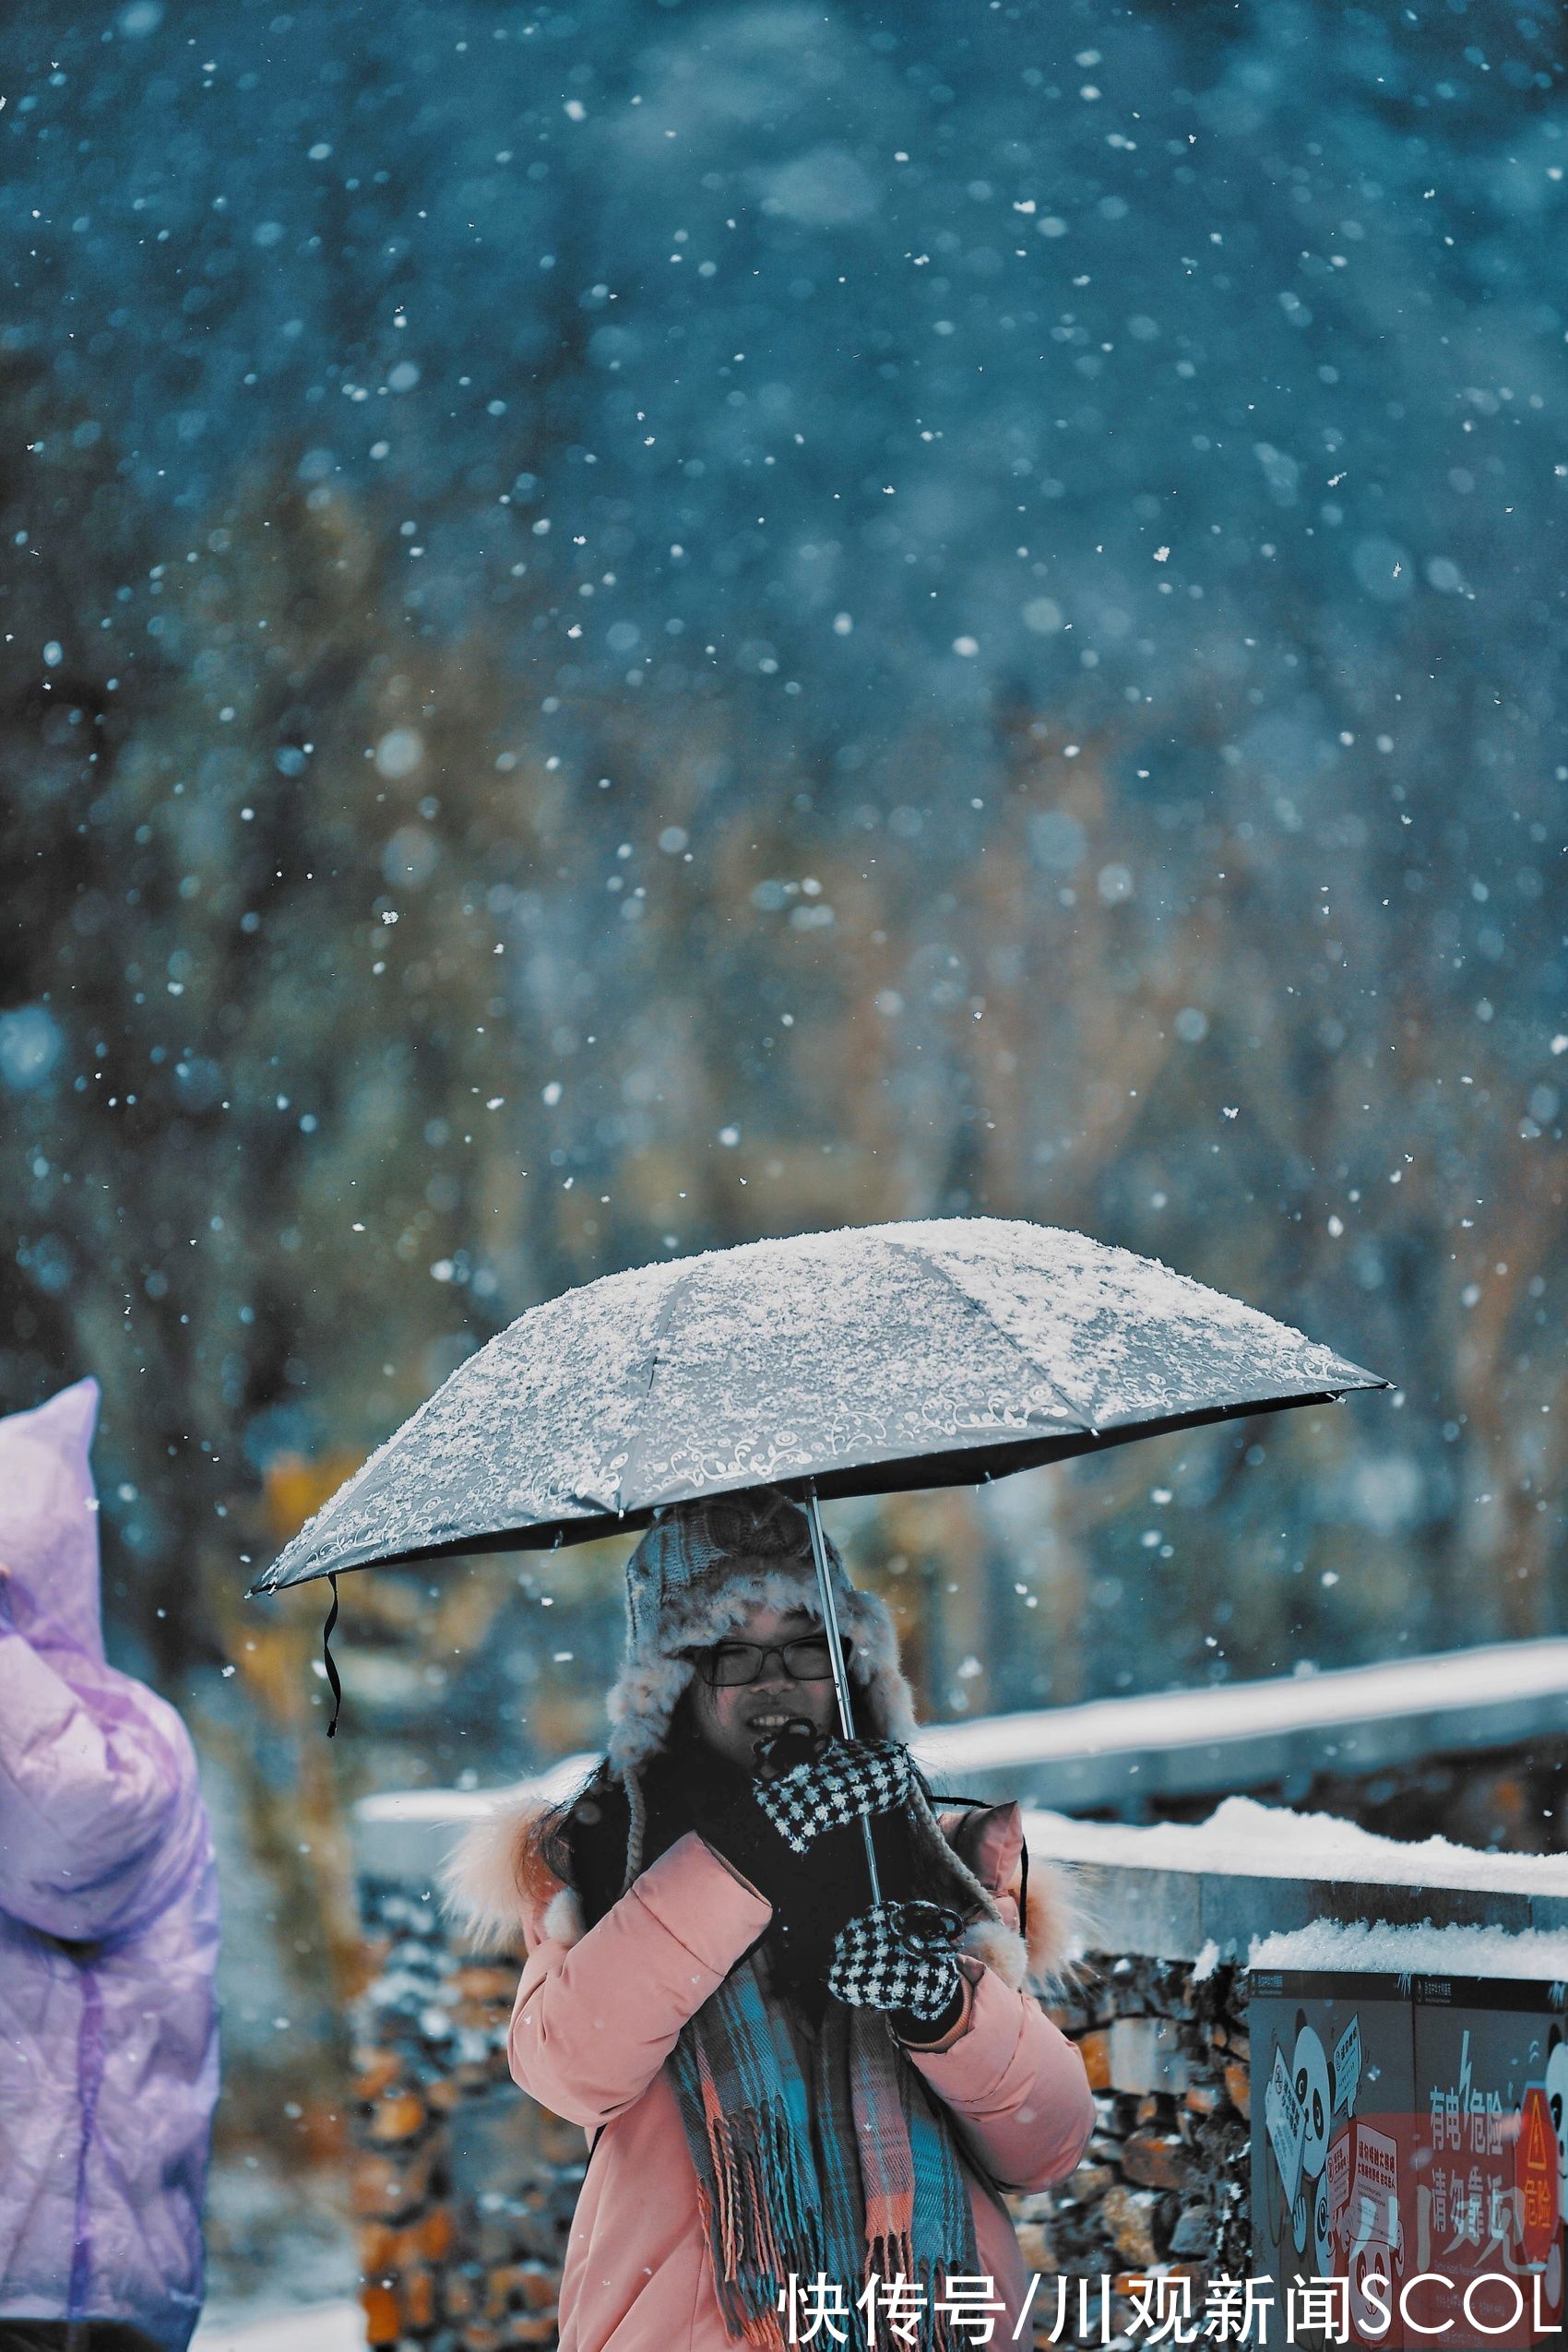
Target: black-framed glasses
(730, 1664)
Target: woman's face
(734, 1721)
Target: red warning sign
(1535, 2173)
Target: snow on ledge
(455, 1809)
(312, 2327)
(1452, 1682)
(1244, 1839)
(1357, 1948)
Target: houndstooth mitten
(849, 1780)
(894, 1957)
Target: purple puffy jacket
(108, 1928)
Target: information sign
(1413, 2139)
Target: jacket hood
(49, 1521)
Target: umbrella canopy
(929, 1354)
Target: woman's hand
(898, 1957)
(835, 1783)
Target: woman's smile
(734, 1718)
(770, 1718)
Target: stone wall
(464, 2189)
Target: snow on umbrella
(939, 1353)
(931, 1354)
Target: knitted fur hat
(698, 1573)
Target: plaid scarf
(854, 2177)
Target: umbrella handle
(835, 1658)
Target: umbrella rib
(913, 1249)
(671, 1299)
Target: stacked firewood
(1164, 2189)
(463, 2190)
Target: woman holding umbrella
(802, 2102)
(784, 2081)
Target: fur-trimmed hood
(501, 1888)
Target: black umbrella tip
(1369, 1384)
(1355, 1380)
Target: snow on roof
(1245, 1839)
(1497, 1674)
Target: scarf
(844, 2168)
(852, 2175)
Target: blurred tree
(277, 1022)
(917, 599)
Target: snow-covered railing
(1122, 1754)
(1231, 1888)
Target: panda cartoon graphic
(1309, 2080)
(1556, 2106)
(1322, 2230)
(1309, 2073)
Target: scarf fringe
(894, 2257)
(754, 2203)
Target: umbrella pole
(835, 1658)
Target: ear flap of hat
(644, 1696)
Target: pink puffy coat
(597, 2016)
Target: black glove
(825, 1784)
(921, 2030)
(734, 1824)
(807, 1784)
(898, 1957)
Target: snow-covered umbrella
(941, 1353)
